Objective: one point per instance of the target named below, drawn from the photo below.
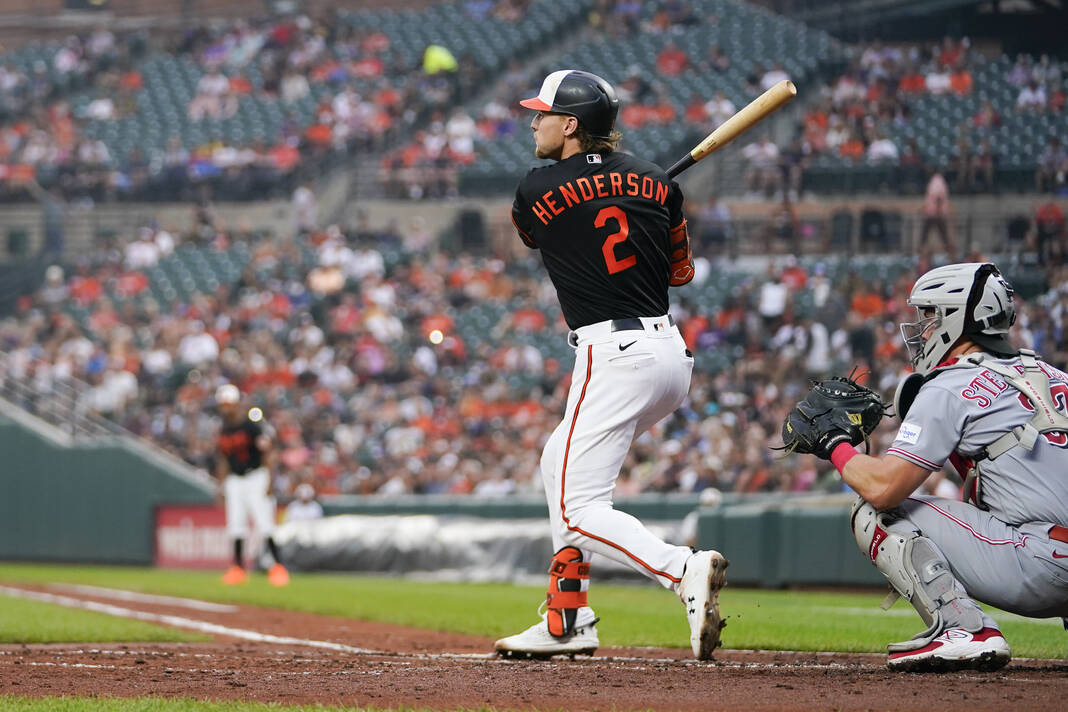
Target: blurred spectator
(960, 81)
(1032, 98)
(912, 167)
(882, 151)
(1052, 169)
(461, 131)
(714, 231)
(212, 98)
(671, 60)
(986, 117)
(716, 60)
(143, 252)
(1021, 73)
(960, 164)
(773, 76)
(982, 168)
(792, 162)
(938, 81)
(936, 214)
(294, 87)
(1051, 238)
(785, 228)
(719, 108)
(305, 208)
(762, 173)
(305, 507)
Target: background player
(613, 238)
(993, 413)
(305, 507)
(243, 471)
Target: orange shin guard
(565, 596)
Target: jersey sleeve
(932, 429)
(254, 429)
(674, 206)
(523, 220)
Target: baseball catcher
(997, 415)
(837, 410)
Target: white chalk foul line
(136, 597)
(181, 622)
(251, 635)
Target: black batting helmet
(585, 96)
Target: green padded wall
(87, 503)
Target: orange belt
(1059, 533)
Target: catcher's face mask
(916, 333)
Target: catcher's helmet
(585, 96)
(968, 300)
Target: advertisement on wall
(192, 537)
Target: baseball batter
(998, 415)
(242, 468)
(613, 238)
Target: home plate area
(288, 657)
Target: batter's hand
(681, 256)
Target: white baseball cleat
(705, 574)
(955, 649)
(537, 642)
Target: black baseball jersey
(237, 443)
(602, 224)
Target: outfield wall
(771, 540)
(95, 502)
(82, 501)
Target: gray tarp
(439, 547)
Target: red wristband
(842, 453)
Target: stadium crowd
(363, 92)
(387, 365)
(878, 91)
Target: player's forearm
(869, 477)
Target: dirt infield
(347, 662)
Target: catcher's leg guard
(566, 595)
(916, 570)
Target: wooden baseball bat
(736, 125)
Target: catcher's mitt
(836, 410)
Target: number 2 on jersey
(1059, 391)
(608, 249)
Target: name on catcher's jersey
(237, 443)
(603, 230)
(961, 411)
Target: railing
(62, 404)
(65, 404)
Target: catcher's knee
(914, 567)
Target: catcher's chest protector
(1033, 383)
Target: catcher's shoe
(955, 649)
(278, 576)
(234, 576)
(705, 574)
(536, 642)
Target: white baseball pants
(246, 497)
(624, 382)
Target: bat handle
(680, 165)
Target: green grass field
(638, 615)
(24, 621)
